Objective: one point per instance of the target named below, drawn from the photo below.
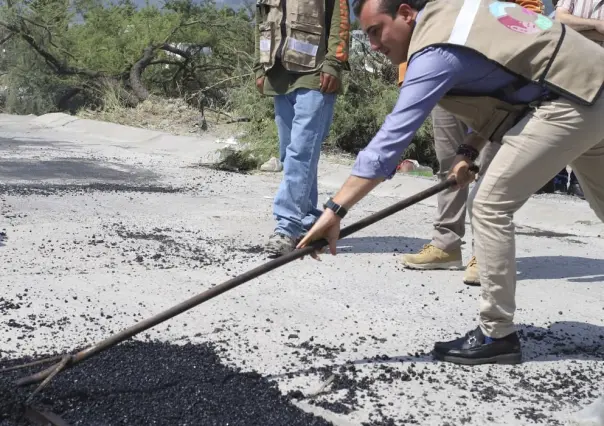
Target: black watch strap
(336, 208)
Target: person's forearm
(593, 35)
(354, 190)
(257, 67)
(576, 23)
(338, 44)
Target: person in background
(587, 17)
(444, 250)
(567, 183)
(301, 51)
(581, 15)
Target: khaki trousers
(449, 224)
(553, 135)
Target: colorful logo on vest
(519, 19)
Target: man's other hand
(329, 83)
(462, 171)
(260, 84)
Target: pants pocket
(302, 45)
(502, 121)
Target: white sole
(451, 266)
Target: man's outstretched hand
(328, 227)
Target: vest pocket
(308, 13)
(272, 3)
(302, 44)
(267, 41)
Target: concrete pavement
(107, 225)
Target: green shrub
(260, 133)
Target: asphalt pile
(152, 383)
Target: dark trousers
(562, 178)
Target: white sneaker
(272, 165)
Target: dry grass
(173, 116)
(166, 115)
(176, 117)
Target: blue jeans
(303, 120)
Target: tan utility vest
(525, 43)
(293, 30)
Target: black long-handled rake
(69, 360)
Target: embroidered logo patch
(519, 19)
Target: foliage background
(195, 62)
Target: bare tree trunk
(136, 72)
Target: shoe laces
(427, 248)
(473, 262)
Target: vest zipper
(281, 47)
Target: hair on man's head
(389, 7)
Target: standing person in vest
(562, 183)
(587, 17)
(301, 52)
(444, 250)
(514, 77)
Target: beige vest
(295, 31)
(524, 43)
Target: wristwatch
(336, 208)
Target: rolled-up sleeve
(430, 75)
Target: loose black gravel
(544, 393)
(151, 383)
(62, 189)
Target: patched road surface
(99, 231)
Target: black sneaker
(548, 188)
(475, 348)
(575, 190)
(560, 188)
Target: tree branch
(205, 89)
(57, 66)
(52, 43)
(175, 50)
(213, 67)
(166, 62)
(7, 38)
(136, 72)
(181, 25)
